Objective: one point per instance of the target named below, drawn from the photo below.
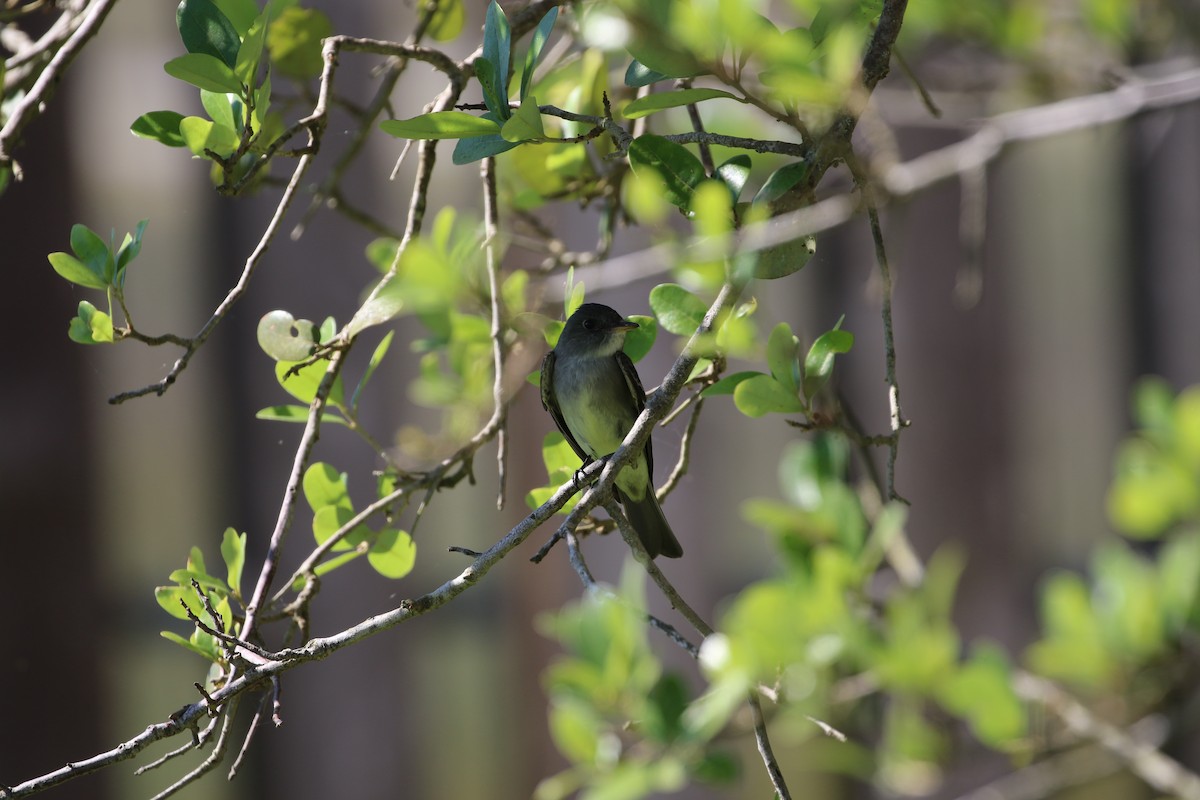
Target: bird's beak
(625, 325)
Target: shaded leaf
(159, 126)
(660, 101)
(679, 169)
(204, 28)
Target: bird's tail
(647, 518)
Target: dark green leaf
(204, 72)
(677, 309)
(129, 250)
(205, 29)
(639, 340)
(159, 126)
(536, 43)
(497, 47)
(679, 169)
(468, 151)
(494, 95)
(781, 181)
(440, 125)
(785, 259)
(639, 75)
(664, 100)
(93, 252)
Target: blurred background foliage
(899, 643)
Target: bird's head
(594, 330)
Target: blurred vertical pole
(51, 634)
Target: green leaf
(494, 95)
(785, 259)
(981, 692)
(293, 413)
(74, 270)
(393, 554)
(818, 364)
(233, 551)
(447, 20)
(468, 151)
(285, 338)
(250, 53)
(638, 75)
(241, 13)
(679, 169)
(328, 520)
(219, 106)
(204, 72)
(734, 173)
(92, 251)
(159, 126)
(303, 383)
(91, 326)
(205, 29)
(781, 181)
(440, 125)
(536, 43)
(205, 653)
(678, 310)
(497, 46)
(129, 250)
(761, 394)
(639, 340)
(385, 303)
(783, 357)
(664, 100)
(170, 597)
(526, 124)
(376, 357)
(294, 41)
(727, 384)
(202, 135)
(325, 486)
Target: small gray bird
(592, 391)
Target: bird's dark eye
(589, 324)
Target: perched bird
(592, 391)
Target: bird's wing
(634, 384)
(550, 403)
